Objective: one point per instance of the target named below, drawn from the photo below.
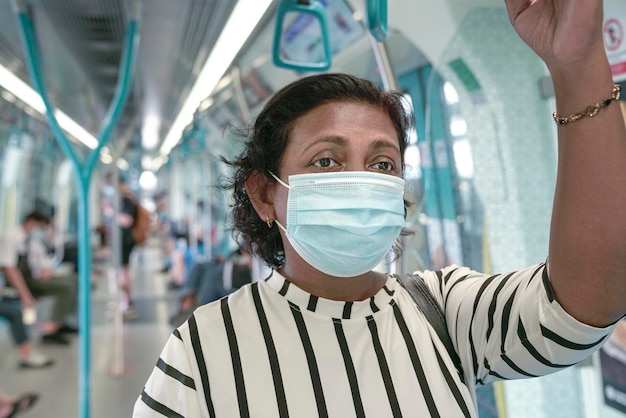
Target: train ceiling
(81, 43)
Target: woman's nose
(355, 166)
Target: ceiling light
(106, 158)
(28, 95)
(122, 164)
(148, 181)
(242, 21)
(150, 132)
(8, 96)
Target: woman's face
(337, 136)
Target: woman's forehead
(345, 117)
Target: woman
(319, 197)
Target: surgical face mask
(38, 234)
(108, 190)
(343, 223)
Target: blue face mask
(343, 223)
(38, 234)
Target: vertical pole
(84, 305)
(117, 368)
(83, 174)
(384, 65)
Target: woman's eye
(383, 166)
(325, 162)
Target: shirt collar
(331, 308)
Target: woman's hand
(561, 32)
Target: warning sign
(613, 34)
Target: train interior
(157, 93)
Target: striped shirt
(274, 350)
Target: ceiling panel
(81, 43)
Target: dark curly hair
(267, 139)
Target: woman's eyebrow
(381, 144)
(332, 139)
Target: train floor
(118, 371)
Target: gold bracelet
(590, 111)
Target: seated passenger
(44, 269)
(210, 280)
(15, 265)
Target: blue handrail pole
(129, 55)
(83, 174)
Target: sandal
(23, 404)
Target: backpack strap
(426, 303)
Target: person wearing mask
(318, 194)
(15, 266)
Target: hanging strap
(426, 303)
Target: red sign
(613, 34)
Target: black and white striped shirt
(273, 350)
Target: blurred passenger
(318, 194)
(12, 406)
(205, 277)
(179, 255)
(15, 265)
(184, 255)
(44, 269)
(29, 358)
(126, 220)
(209, 280)
(165, 229)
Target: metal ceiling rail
(83, 171)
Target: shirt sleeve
(510, 326)
(37, 257)
(171, 388)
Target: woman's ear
(261, 193)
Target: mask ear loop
(268, 221)
(279, 180)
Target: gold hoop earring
(269, 222)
